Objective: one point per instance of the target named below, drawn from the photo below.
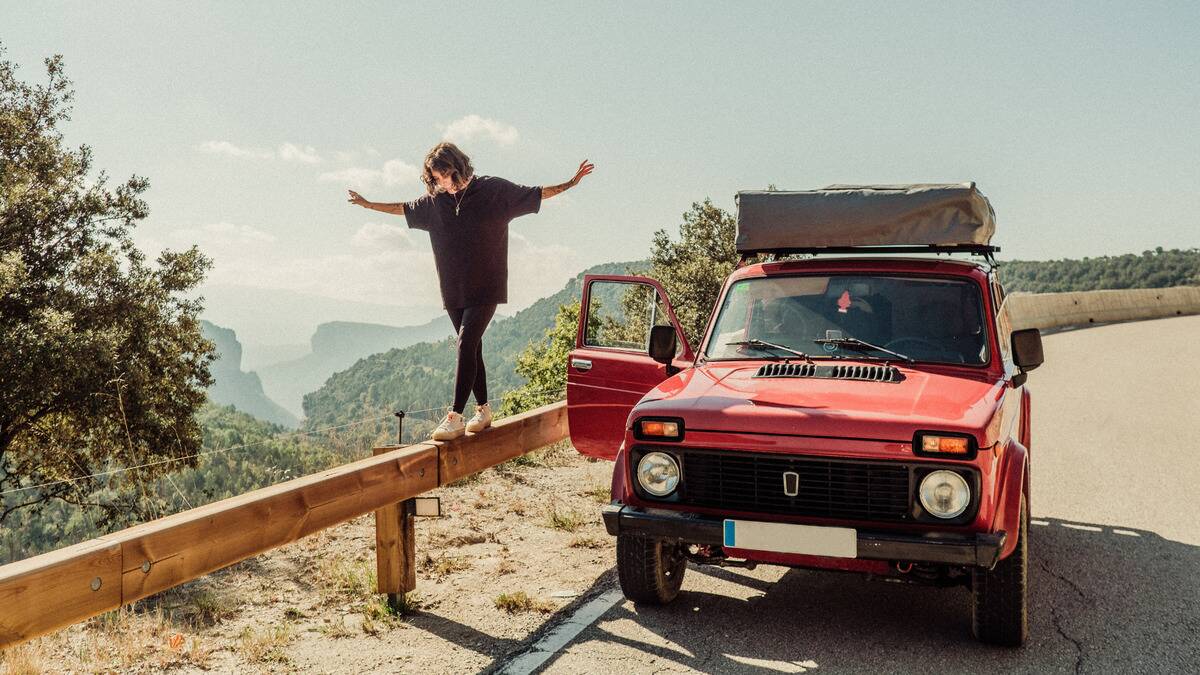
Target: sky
(1080, 122)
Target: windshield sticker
(831, 335)
(843, 302)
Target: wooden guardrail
(56, 589)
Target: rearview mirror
(662, 344)
(1027, 348)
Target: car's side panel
(1010, 486)
(619, 489)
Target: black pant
(470, 376)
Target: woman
(467, 219)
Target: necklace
(458, 200)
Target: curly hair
(446, 158)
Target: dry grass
(31, 658)
(444, 565)
(124, 638)
(584, 541)
(266, 645)
(352, 580)
(378, 614)
(566, 520)
(407, 603)
(335, 629)
(521, 602)
(602, 494)
(206, 608)
(506, 566)
(463, 540)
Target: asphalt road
(1115, 546)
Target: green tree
(102, 363)
(693, 268)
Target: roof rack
(986, 251)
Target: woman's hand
(358, 199)
(585, 168)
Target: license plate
(835, 542)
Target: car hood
(726, 397)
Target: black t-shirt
(470, 249)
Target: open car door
(610, 368)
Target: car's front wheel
(650, 570)
(1000, 614)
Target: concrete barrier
(1058, 310)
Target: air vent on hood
(838, 372)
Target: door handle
(581, 364)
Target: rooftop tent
(955, 216)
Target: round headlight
(658, 473)
(945, 494)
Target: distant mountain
(234, 387)
(266, 316)
(259, 356)
(336, 346)
(1152, 269)
(420, 376)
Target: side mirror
(662, 344)
(1027, 348)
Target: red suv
(848, 412)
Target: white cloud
(290, 152)
(375, 236)
(393, 172)
(227, 148)
(473, 126)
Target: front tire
(1000, 612)
(650, 570)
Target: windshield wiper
(859, 345)
(762, 344)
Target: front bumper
(976, 550)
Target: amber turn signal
(660, 428)
(948, 445)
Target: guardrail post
(395, 548)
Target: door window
(620, 314)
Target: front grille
(828, 488)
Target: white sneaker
(450, 428)
(481, 420)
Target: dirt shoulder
(516, 545)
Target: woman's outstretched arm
(396, 208)
(584, 169)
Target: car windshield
(923, 318)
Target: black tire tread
(1000, 613)
(643, 570)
